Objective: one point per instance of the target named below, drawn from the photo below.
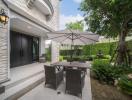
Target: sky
(69, 12)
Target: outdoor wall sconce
(3, 17)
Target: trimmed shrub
(65, 57)
(105, 72)
(92, 57)
(60, 58)
(125, 84)
(107, 57)
(125, 69)
(87, 58)
(48, 53)
(75, 58)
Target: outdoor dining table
(74, 64)
(75, 79)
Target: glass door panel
(35, 48)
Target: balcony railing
(30, 4)
(48, 2)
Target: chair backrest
(49, 71)
(73, 76)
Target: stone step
(17, 90)
(23, 79)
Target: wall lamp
(3, 17)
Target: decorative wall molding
(30, 3)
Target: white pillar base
(54, 52)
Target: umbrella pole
(71, 54)
(71, 49)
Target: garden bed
(106, 92)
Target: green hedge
(106, 48)
(68, 52)
(88, 50)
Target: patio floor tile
(43, 93)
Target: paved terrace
(23, 77)
(43, 93)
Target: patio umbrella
(73, 37)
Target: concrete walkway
(43, 93)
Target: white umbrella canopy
(73, 37)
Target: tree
(76, 25)
(110, 18)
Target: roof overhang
(18, 10)
(19, 24)
(44, 6)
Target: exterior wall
(4, 50)
(37, 14)
(55, 22)
(42, 46)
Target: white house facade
(22, 39)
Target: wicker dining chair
(53, 76)
(74, 81)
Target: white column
(42, 46)
(4, 47)
(54, 52)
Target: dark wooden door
(15, 49)
(21, 49)
(26, 49)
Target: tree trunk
(122, 54)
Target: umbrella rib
(86, 37)
(77, 36)
(66, 38)
(80, 39)
(88, 34)
(73, 34)
(89, 38)
(71, 30)
(58, 36)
